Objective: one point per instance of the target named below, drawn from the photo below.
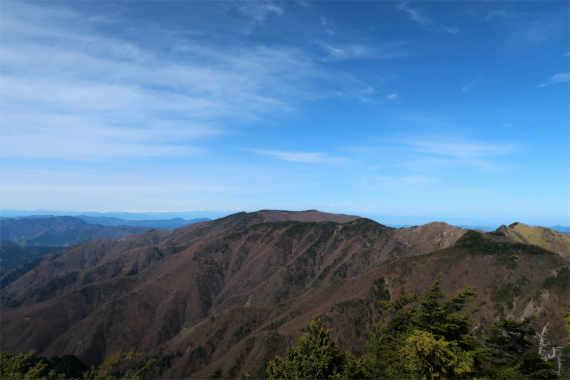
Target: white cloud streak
(335, 51)
(421, 18)
(499, 14)
(534, 29)
(69, 92)
(306, 157)
(471, 85)
(259, 10)
(328, 26)
(458, 149)
(558, 78)
(437, 152)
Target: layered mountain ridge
(234, 291)
(59, 231)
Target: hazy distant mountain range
(59, 231)
(171, 219)
(167, 224)
(26, 238)
(564, 230)
(126, 215)
(236, 291)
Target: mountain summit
(235, 291)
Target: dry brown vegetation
(236, 291)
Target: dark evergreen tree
(426, 328)
(512, 355)
(316, 357)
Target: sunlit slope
(546, 238)
(236, 291)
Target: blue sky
(453, 111)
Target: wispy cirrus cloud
(423, 19)
(437, 151)
(471, 85)
(335, 51)
(499, 14)
(68, 83)
(558, 78)
(374, 98)
(342, 52)
(328, 25)
(56, 136)
(256, 11)
(306, 157)
(259, 10)
(534, 29)
(440, 145)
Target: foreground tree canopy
(316, 357)
(29, 367)
(421, 336)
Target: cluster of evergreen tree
(418, 336)
(421, 336)
(67, 367)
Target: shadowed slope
(237, 290)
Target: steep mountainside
(59, 231)
(235, 291)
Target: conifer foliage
(424, 336)
(29, 367)
(420, 336)
(315, 357)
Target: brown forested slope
(235, 291)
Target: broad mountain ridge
(235, 291)
(26, 238)
(59, 231)
(168, 224)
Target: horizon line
(473, 223)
